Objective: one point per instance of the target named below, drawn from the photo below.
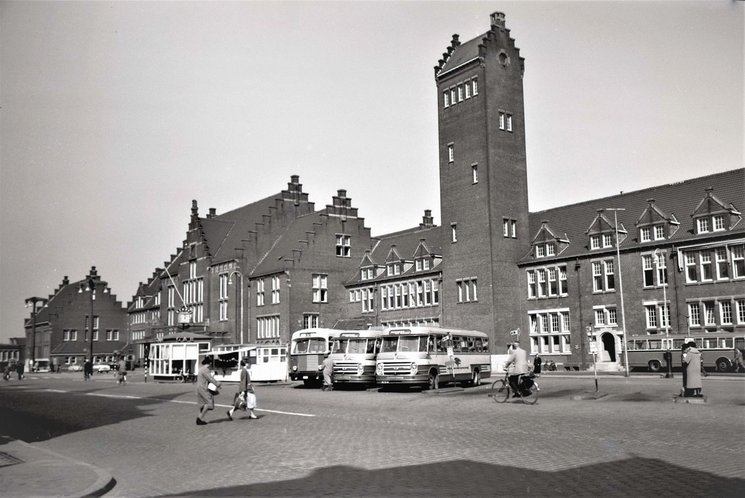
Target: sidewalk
(28, 470)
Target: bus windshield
(310, 345)
(408, 343)
(354, 346)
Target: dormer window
(703, 225)
(393, 269)
(422, 264)
(718, 220)
(366, 274)
(648, 234)
(550, 249)
(540, 251)
(601, 241)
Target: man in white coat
(516, 365)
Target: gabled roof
(407, 243)
(680, 200)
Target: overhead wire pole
(620, 289)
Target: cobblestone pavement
(631, 441)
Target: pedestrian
(537, 364)
(684, 370)
(739, 365)
(146, 373)
(122, 376)
(19, 369)
(245, 389)
(327, 367)
(205, 398)
(87, 370)
(516, 366)
(692, 367)
(6, 372)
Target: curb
(103, 483)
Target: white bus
(307, 348)
(353, 353)
(172, 360)
(266, 362)
(429, 356)
(717, 350)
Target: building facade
(62, 327)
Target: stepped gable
(677, 200)
(459, 54)
(226, 233)
(299, 236)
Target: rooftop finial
(497, 19)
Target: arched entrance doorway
(609, 347)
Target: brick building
(63, 325)
(267, 269)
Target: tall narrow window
(446, 98)
(506, 227)
(275, 290)
(475, 173)
(738, 261)
(453, 232)
(320, 288)
(722, 263)
(475, 86)
(694, 315)
(343, 245)
(513, 228)
(451, 153)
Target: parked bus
(353, 353)
(430, 356)
(717, 350)
(307, 348)
(172, 360)
(266, 362)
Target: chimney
(497, 20)
(212, 213)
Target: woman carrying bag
(245, 397)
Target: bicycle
(528, 392)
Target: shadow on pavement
(630, 477)
(28, 421)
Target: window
(651, 313)
(607, 240)
(446, 98)
(738, 261)
(550, 249)
(725, 312)
(709, 317)
(275, 290)
(452, 96)
(740, 305)
(267, 327)
(645, 234)
(506, 227)
(721, 263)
(192, 269)
(605, 315)
(468, 90)
(549, 332)
(648, 270)
(453, 232)
(718, 220)
(513, 228)
(260, 292)
(310, 320)
(367, 300)
(475, 86)
(223, 295)
(542, 289)
(563, 284)
(474, 173)
(532, 289)
(451, 153)
(460, 93)
(553, 286)
(603, 277)
(703, 225)
(65, 335)
(691, 267)
(707, 269)
(509, 122)
(659, 232)
(467, 290)
(320, 288)
(343, 245)
(694, 315)
(540, 251)
(594, 241)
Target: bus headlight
(360, 369)
(294, 368)
(379, 368)
(414, 368)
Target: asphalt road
(631, 439)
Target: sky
(114, 116)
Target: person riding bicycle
(516, 366)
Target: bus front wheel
(433, 381)
(723, 365)
(476, 378)
(655, 365)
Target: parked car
(102, 368)
(75, 368)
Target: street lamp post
(33, 301)
(658, 256)
(90, 286)
(230, 281)
(620, 288)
